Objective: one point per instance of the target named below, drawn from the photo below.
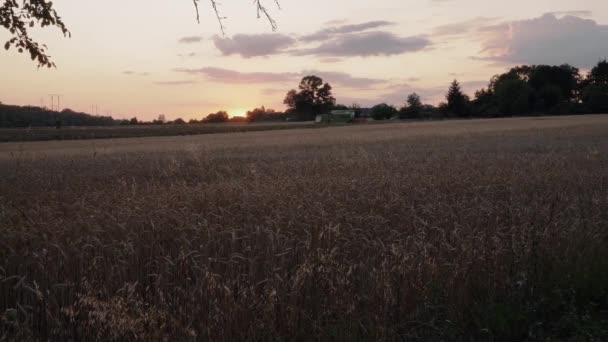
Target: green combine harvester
(336, 116)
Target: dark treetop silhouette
(313, 98)
(17, 16)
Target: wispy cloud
(344, 79)
(135, 73)
(232, 76)
(376, 43)
(462, 27)
(289, 78)
(185, 55)
(175, 83)
(252, 45)
(331, 32)
(191, 40)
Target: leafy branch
(18, 18)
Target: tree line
(13, 116)
(30, 116)
(523, 90)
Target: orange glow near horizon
(237, 112)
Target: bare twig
(198, 17)
(260, 8)
(214, 4)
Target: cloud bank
(545, 40)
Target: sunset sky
(147, 57)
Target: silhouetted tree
(513, 96)
(457, 101)
(595, 98)
(548, 97)
(257, 114)
(220, 116)
(313, 98)
(599, 73)
(133, 121)
(484, 104)
(413, 101)
(412, 108)
(595, 89)
(179, 121)
(525, 89)
(291, 100)
(264, 114)
(383, 111)
(160, 120)
(553, 84)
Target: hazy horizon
(147, 58)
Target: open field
(367, 133)
(476, 230)
(113, 132)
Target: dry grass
(473, 230)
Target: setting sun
(237, 112)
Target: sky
(148, 57)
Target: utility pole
(58, 96)
(57, 119)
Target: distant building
(365, 112)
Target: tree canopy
(264, 114)
(594, 93)
(543, 89)
(383, 111)
(220, 116)
(599, 73)
(313, 98)
(458, 102)
(412, 108)
(30, 116)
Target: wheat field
(472, 230)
